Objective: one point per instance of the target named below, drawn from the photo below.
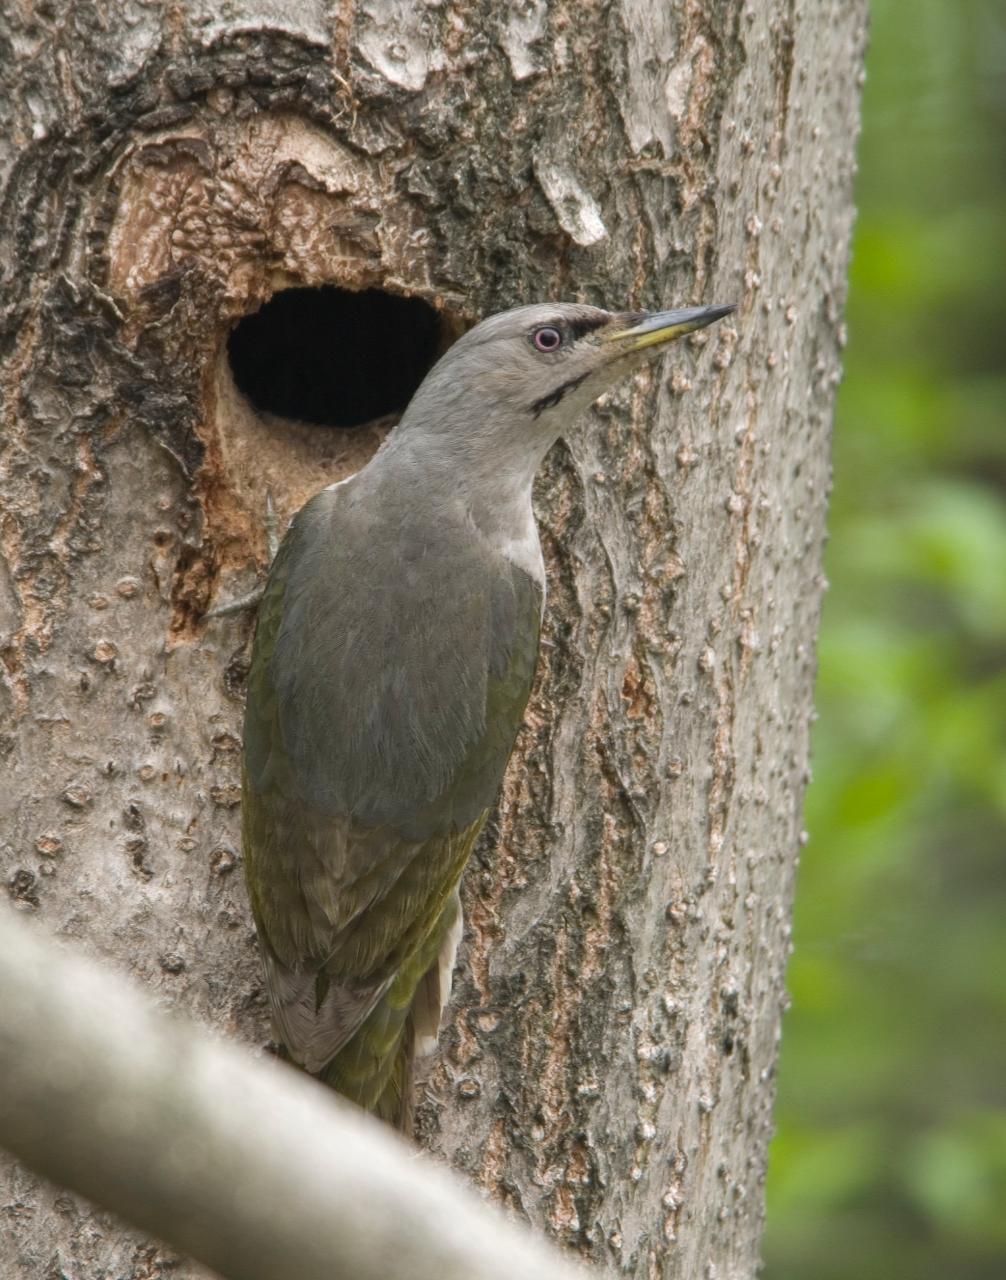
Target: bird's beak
(658, 327)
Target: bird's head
(514, 383)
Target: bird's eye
(547, 338)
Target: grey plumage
(397, 616)
(395, 651)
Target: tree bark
(606, 1069)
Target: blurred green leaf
(890, 1158)
(958, 1176)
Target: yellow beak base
(665, 326)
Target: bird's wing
(379, 719)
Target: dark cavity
(333, 357)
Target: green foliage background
(890, 1156)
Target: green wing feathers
(374, 1069)
(342, 998)
(358, 922)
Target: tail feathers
(374, 1068)
(434, 989)
(386, 1094)
(395, 1105)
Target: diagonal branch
(244, 1165)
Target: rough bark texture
(607, 1066)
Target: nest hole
(332, 357)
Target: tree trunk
(606, 1068)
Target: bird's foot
(248, 601)
(252, 598)
(272, 538)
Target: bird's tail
(374, 1068)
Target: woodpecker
(395, 648)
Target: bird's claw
(272, 536)
(252, 598)
(248, 601)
